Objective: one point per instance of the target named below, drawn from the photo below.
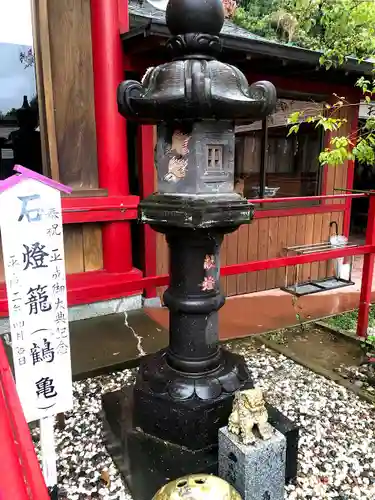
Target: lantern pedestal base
(147, 463)
(187, 409)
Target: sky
(15, 36)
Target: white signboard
(33, 250)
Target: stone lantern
(167, 425)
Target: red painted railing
(320, 197)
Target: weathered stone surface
(256, 471)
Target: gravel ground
(337, 445)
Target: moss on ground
(348, 321)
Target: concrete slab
(112, 342)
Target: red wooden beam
(307, 86)
(301, 210)
(100, 202)
(118, 208)
(99, 209)
(262, 265)
(110, 127)
(307, 198)
(96, 286)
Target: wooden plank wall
(62, 32)
(73, 91)
(265, 239)
(83, 247)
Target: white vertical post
(47, 441)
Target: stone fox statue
(249, 411)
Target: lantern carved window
(214, 163)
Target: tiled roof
(139, 10)
(143, 14)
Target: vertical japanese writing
(32, 240)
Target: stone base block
(257, 471)
(146, 462)
(139, 455)
(291, 432)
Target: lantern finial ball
(195, 16)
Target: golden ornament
(197, 487)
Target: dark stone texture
(195, 86)
(217, 90)
(184, 394)
(147, 462)
(206, 16)
(227, 211)
(184, 410)
(194, 172)
(291, 432)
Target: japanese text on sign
(32, 239)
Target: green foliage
(348, 320)
(369, 344)
(338, 29)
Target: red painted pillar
(145, 146)
(367, 273)
(110, 126)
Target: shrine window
(270, 162)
